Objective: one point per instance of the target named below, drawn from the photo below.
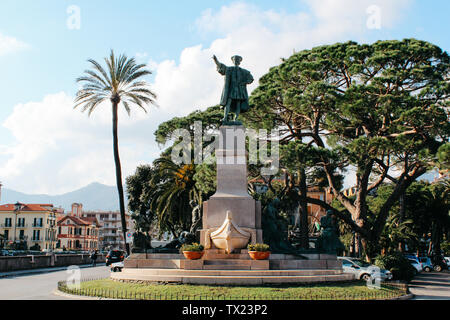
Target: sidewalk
(431, 286)
(19, 273)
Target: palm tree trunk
(119, 175)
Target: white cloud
(262, 37)
(58, 149)
(10, 45)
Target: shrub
(445, 248)
(258, 247)
(400, 267)
(192, 247)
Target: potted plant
(192, 251)
(259, 251)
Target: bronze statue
(329, 241)
(234, 96)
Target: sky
(48, 147)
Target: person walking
(94, 258)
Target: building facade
(111, 235)
(33, 224)
(78, 233)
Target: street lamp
(17, 208)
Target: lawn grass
(353, 290)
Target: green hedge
(400, 267)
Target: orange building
(76, 232)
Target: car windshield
(115, 253)
(361, 263)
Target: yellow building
(33, 223)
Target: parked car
(426, 264)
(439, 263)
(417, 266)
(114, 256)
(413, 257)
(6, 253)
(117, 266)
(363, 270)
(447, 259)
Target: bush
(258, 247)
(400, 267)
(192, 247)
(445, 248)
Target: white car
(117, 266)
(416, 265)
(447, 259)
(363, 270)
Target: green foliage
(260, 247)
(195, 247)
(373, 107)
(140, 190)
(445, 247)
(211, 119)
(400, 267)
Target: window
(346, 262)
(38, 222)
(6, 234)
(36, 235)
(21, 222)
(22, 234)
(59, 230)
(8, 222)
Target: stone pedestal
(232, 190)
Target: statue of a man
(234, 95)
(329, 238)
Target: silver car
(363, 270)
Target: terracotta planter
(193, 255)
(259, 255)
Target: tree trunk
(119, 176)
(304, 236)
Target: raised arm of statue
(221, 68)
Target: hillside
(95, 196)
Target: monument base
(217, 267)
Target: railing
(128, 295)
(37, 239)
(38, 225)
(5, 225)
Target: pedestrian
(94, 258)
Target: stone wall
(36, 262)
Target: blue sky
(40, 58)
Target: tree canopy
(379, 109)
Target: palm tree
(174, 190)
(119, 83)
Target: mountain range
(95, 196)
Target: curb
(57, 292)
(38, 271)
(405, 297)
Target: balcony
(22, 225)
(5, 225)
(37, 225)
(37, 239)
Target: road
(426, 286)
(41, 286)
(431, 286)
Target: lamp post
(17, 208)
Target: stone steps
(180, 272)
(231, 280)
